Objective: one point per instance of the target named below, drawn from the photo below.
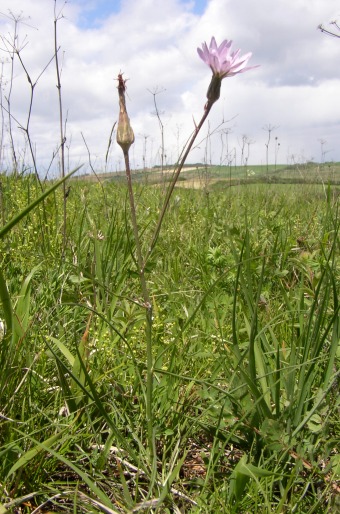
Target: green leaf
(315, 423)
(335, 463)
(22, 308)
(46, 446)
(28, 456)
(254, 471)
(78, 371)
(238, 480)
(65, 351)
(242, 473)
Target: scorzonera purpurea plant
(223, 63)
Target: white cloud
(154, 44)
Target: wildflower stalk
(125, 138)
(177, 172)
(148, 311)
(223, 62)
(57, 17)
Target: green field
(225, 400)
(216, 176)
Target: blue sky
(95, 12)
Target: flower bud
(125, 136)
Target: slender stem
(175, 178)
(61, 128)
(148, 308)
(8, 99)
(125, 138)
(135, 229)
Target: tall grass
(244, 287)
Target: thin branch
(57, 17)
(94, 171)
(109, 144)
(330, 32)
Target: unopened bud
(125, 135)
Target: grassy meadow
(242, 415)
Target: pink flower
(222, 61)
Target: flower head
(223, 63)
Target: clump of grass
(246, 357)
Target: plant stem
(125, 139)
(175, 178)
(148, 310)
(61, 127)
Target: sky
(293, 95)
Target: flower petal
(222, 61)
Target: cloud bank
(295, 89)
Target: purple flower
(222, 61)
